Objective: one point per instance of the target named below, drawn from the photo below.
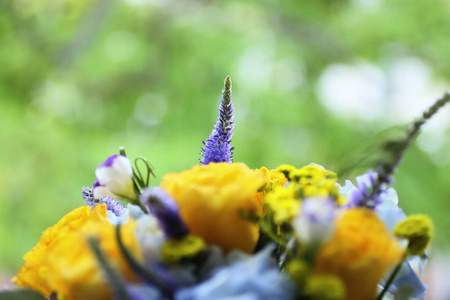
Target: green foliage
(20, 295)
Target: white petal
(102, 191)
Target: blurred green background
(313, 81)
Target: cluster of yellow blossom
(211, 198)
(309, 181)
(356, 256)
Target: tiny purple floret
(363, 196)
(112, 205)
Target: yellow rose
(360, 252)
(210, 198)
(62, 261)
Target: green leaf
(21, 294)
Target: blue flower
(388, 210)
(407, 285)
(142, 292)
(252, 277)
(218, 146)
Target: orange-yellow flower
(274, 179)
(62, 261)
(360, 252)
(210, 198)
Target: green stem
(391, 279)
(398, 148)
(114, 280)
(146, 274)
(143, 207)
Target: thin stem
(146, 274)
(391, 279)
(398, 148)
(122, 151)
(143, 207)
(115, 282)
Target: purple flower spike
(218, 146)
(162, 206)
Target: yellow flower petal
(210, 198)
(360, 252)
(63, 261)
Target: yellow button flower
(62, 261)
(360, 252)
(418, 230)
(210, 198)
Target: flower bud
(164, 208)
(418, 230)
(115, 179)
(325, 287)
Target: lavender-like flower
(115, 206)
(218, 146)
(88, 196)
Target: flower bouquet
(224, 231)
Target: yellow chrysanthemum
(210, 198)
(274, 179)
(284, 203)
(62, 261)
(312, 174)
(286, 169)
(298, 271)
(315, 181)
(360, 252)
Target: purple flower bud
(164, 208)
